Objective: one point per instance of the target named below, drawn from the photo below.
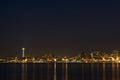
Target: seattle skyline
(58, 27)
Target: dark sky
(58, 27)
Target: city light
(95, 57)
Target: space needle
(23, 52)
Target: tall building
(23, 52)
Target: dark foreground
(60, 71)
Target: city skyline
(59, 27)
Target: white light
(55, 60)
(23, 48)
(23, 52)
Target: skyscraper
(23, 52)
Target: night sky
(58, 27)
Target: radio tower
(23, 52)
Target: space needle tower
(23, 52)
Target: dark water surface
(60, 71)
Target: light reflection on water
(92, 71)
(55, 71)
(115, 69)
(60, 71)
(104, 77)
(24, 71)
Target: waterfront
(60, 71)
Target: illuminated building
(23, 52)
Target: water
(60, 71)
